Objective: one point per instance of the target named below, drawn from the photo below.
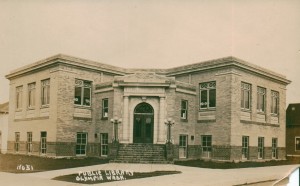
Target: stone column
(125, 119)
(161, 125)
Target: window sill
(81, 155)
(274, 115)
(19, 110)
(261, 113)
(31, 108)
(246, 110)
(104, 118)
(83, 107)
(184, 120)
(207, 109)
(45, 106)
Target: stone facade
(85, 96)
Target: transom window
(19, 91)
(81, 143)
(261, 147)
(274, 148)
(104, 108)
(245, 96)
(274, 102)
(245, 147)
(261, 99)
(184, 109)
(206, 143)
(45, 94)
(208, 95)
(29, 142)
(31, 95)
(82, 92)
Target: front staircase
(141, 153)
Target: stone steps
(141, 153)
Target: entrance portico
(144, 107)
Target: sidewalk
(189, 175)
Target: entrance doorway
(143, 123)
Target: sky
(152, 34)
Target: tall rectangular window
(81, 143)
(297, 143)
(183, 146)
(29, 142)
(260, 147)
(31, 95)
(17, 141)
(245, 147)
(43, 142)
(245, 96)
(184, 109)
(45, 94)
(82, 92)
(104, 108)
(274, 148)
(104, 144)
(275, 102)
(208, 95)
(19, 95)
(261, 99)
(206, 143)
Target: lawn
(233, 165)
(28, 164)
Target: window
(45, 94)
(43, 142)
(81, 143)
(297, 143)
(82, 92)
(245, 147)
(29, 142)
(17, 141)
(183, 146)
(206, 143)
(274, 148)
(19, 91)
(104, 108)
(208, 95)
(261, 99)
(31, 95)
(274, 102)
(184, 109)
(245, 96)
(104, 144)
(260, 147)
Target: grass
(107, 177)
(232, 165)
(11, 163)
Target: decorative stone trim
(206, 121)
(30, 119)
(259, 123)
(82, 118)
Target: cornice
(196, 67)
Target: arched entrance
(143, 123)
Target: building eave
(67, 60)
(227, 62)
